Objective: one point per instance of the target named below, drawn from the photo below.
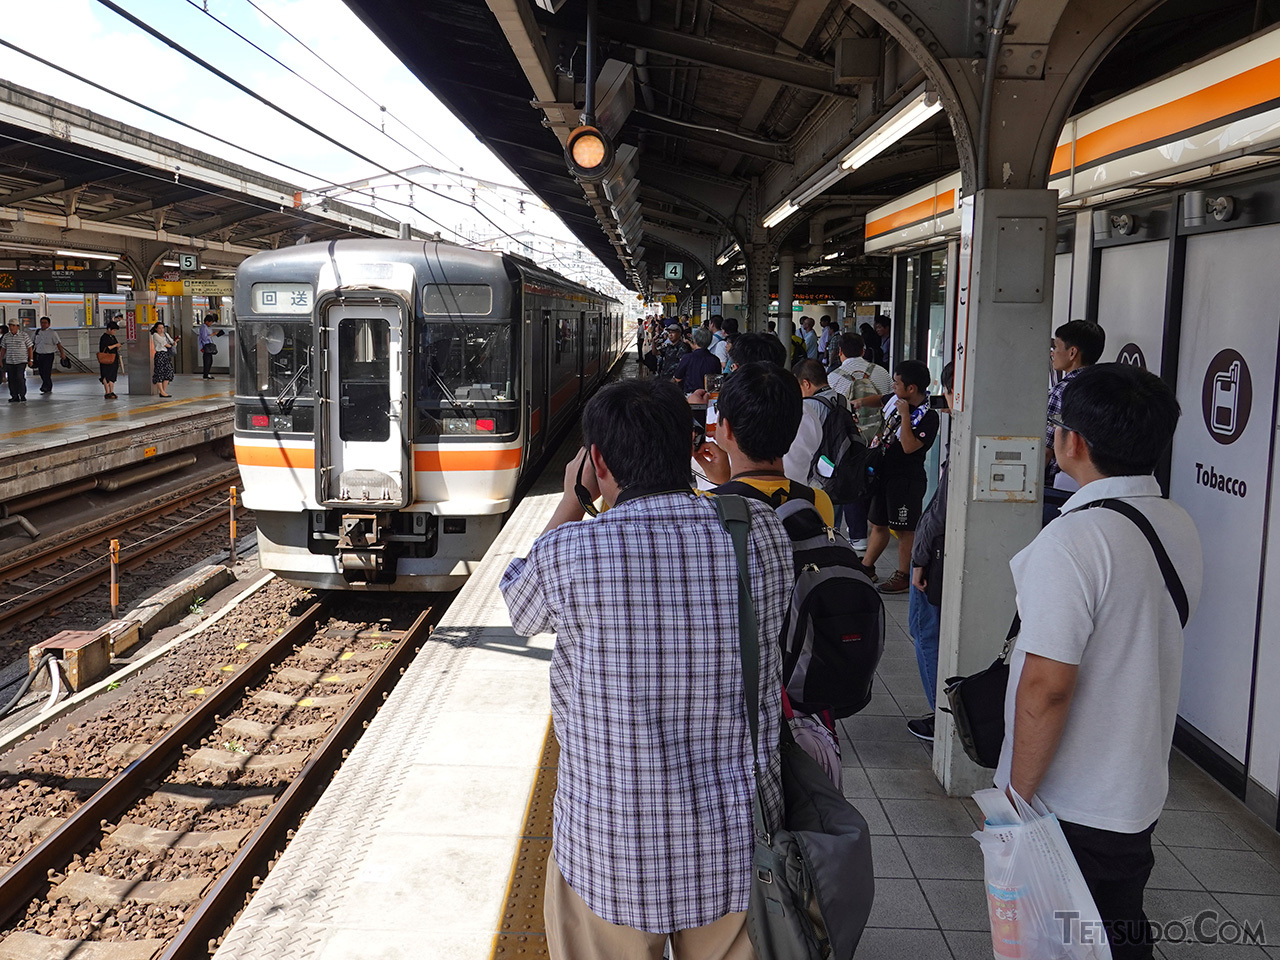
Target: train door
(538, 395)
(363, 455)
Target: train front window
(275, 360)
(464, 380)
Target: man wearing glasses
(1096, 672)
(652, 834)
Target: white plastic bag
(1038, 903)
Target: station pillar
(786, 296)
(759, 262)
(1003, 329)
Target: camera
(938, 401)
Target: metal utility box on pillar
(1004, 322)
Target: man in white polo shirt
(1095, 675)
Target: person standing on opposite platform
(162, 371)
(652, 836)
(15, 356)
(109, 373)
(1097, 666)
(47, 346)
(209, 349)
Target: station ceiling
(724, 108)
(74, 179)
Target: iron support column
(1003, 328)
(786, 294)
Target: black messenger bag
(977, 701)
(811, 879)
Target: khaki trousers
(575, 933)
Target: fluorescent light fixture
(88, 254)
(823, 179)
(831, 256)
(168, 263)
(780, 213)
(728, 255)
(912, 112)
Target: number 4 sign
(674, 271)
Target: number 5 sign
(674, 271)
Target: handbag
(812, 882)
(210, 348)
(977, 701)
(106, 357)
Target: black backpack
(833, 636)
(843, 446)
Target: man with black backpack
(834, 634)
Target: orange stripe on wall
(297, 458)
(932, 207)
(1221, 99)
(449, 461)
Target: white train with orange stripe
(390, 397)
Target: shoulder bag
(811, 878)
(106, 357)
(977, 701)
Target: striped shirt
(16, 347)
(652, 823)
(1055, 410)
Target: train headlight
(589, 154)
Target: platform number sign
(188, 261)
(674, 271)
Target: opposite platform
(73, 432)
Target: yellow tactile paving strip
(121, 415)
(521, 931)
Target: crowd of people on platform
(20, 350)
(652, 837)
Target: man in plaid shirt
(652, 832)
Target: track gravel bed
(145, 877)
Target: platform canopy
(726, 116)
(76, 181)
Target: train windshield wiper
(289, 395)
(447, 393)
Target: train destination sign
(58, 281)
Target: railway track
(36, 583)
(158, 861)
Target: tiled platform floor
(1211, 853)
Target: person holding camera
(911, 426)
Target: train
(392, 395)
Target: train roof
(432, 263)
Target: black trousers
(17, 375)
(44, 363)
(207, 359)
(1116, 867)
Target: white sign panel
(1221, 461)
(283, 298)
(674, 270)
(188, 261)
(1131, 303)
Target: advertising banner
(1221, 463)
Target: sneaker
(870, 572)
(898, 583)
(922, 727)
(859, 545)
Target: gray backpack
(870, 419)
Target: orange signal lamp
(589, 153)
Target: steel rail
(51, 554)
(227, 896)
(43, 603)
(30, 876)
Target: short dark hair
(771, 326)
(1089, 338)
(882, 321)
(948, 376)
(644, 432)
(758, 347)
(730, 325)
(43, 319)
(764, 405)
(1125, 415)
(914, 373)
(715, 320)
(851, 344)
(811, 370)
